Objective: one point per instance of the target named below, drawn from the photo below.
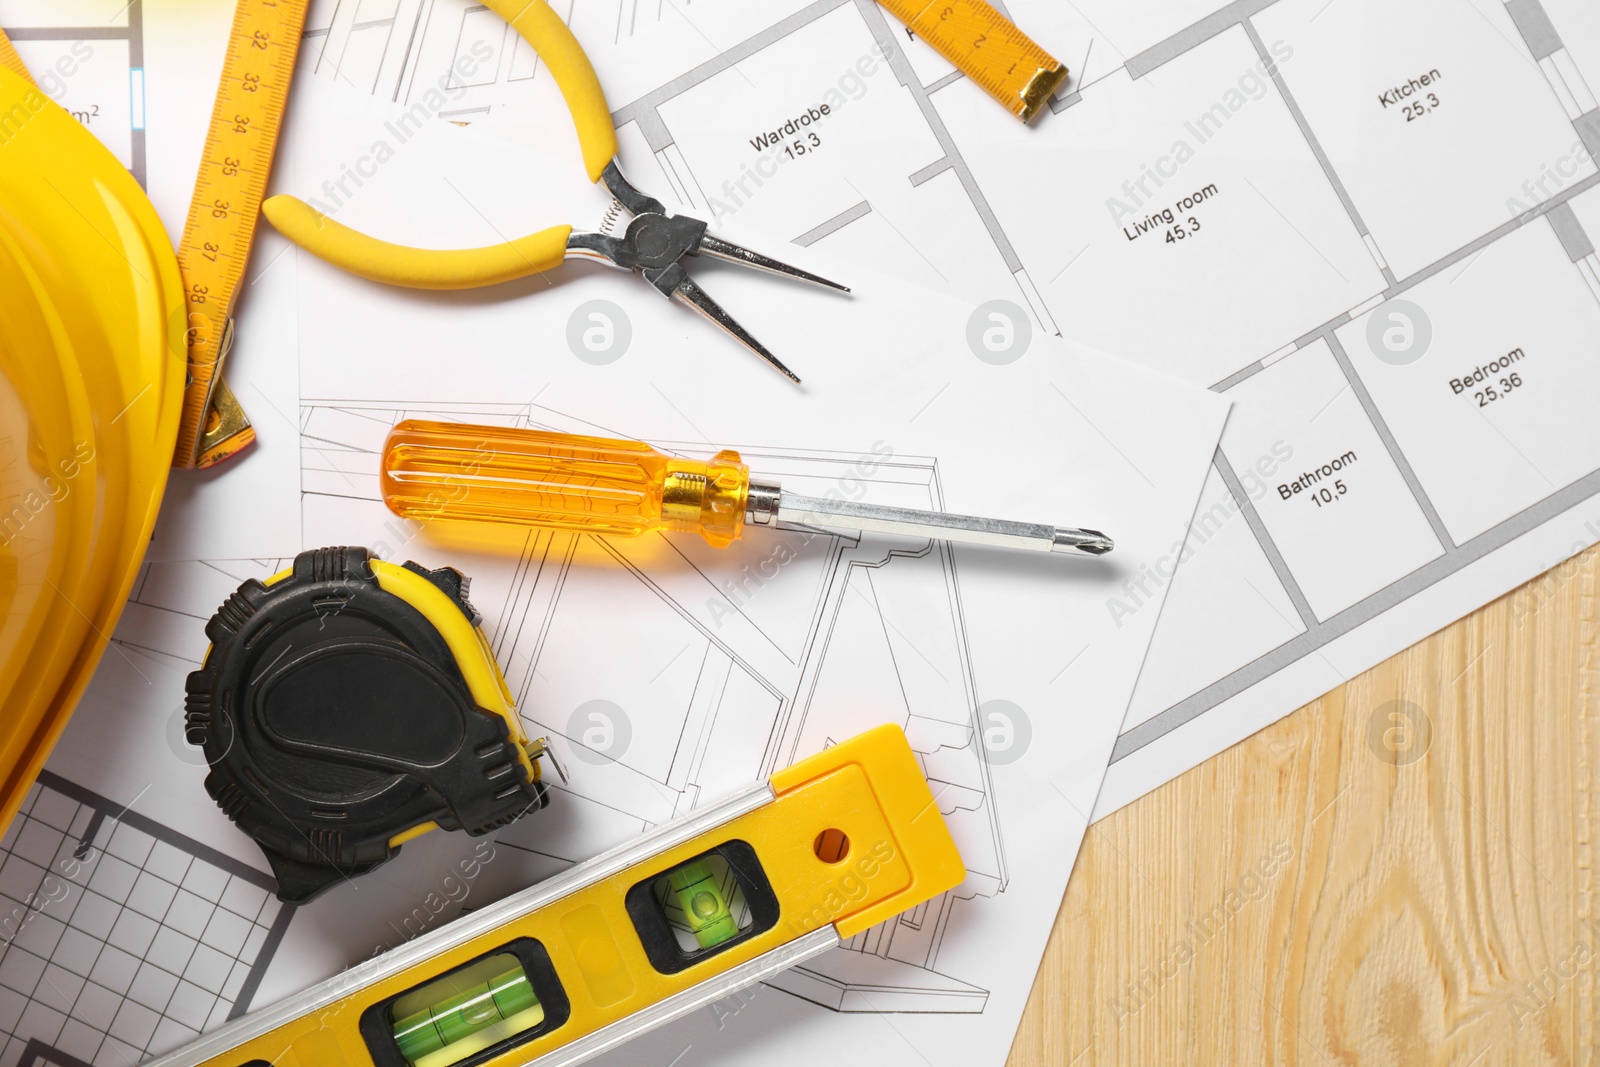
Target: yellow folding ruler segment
(988, 48)
(728, 895)
(222, 216)
(9, 58)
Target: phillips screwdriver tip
(1087, 542)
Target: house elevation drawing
(666, 672)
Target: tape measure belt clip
(335, 713)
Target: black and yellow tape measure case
(348, 704)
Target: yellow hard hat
(92, 367)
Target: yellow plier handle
(542, 28)
(422, 268)
(414, 268)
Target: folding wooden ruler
(988, 48)
(9, 58)
(215, 247)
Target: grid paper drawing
(121, 939)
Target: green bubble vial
(461, 1014)
(706, 910)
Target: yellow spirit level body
(695, 910)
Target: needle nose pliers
(654, 243)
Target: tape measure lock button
(348, 702)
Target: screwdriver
(445, 470)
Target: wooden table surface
(1346, 887)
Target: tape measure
(347, 705)
(252, 94)
(724, 897)
(988, 48)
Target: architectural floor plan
(1278, 208)
(1286, 201)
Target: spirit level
(347, 705)
(446, 470)
(697, 909)
(215, 247)
(988, 48)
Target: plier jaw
(636, 202)
(655, 244)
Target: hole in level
(831, 846)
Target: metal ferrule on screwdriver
(493, 474)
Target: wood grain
(1334, 891)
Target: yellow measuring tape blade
(9, 58)
(222, 216)
(988, 48)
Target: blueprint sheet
(1369, 223)
(716, 667)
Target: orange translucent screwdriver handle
(441, 470)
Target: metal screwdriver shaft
(770, 505)
(495, 474)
